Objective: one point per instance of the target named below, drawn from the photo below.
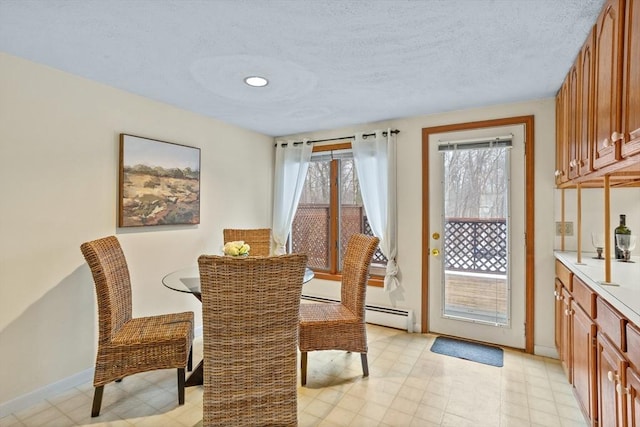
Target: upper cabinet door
(631, 81)
(573, 121)
(562, 154)
(608, 75)
(586, 106)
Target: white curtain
(292, 162)
(375, 160)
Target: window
(329, 212)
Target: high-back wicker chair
(341, 326)
(250, 308)
(259, 239)
(128, 345)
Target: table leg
(196, 377)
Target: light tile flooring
(408, 386)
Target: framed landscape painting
(159, 183)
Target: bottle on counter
(621, 229)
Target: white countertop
(624, 296)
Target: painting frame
(159, 183)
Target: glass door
(477, 223)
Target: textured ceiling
(330, 63)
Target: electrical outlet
(565, 228)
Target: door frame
(528, 122)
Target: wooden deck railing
(476, 245)
(470, 244)
(310, 231)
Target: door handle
(435, 252)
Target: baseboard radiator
(392, 317)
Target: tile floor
(408, 386)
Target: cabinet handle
(617, 136)
(622, 390)
(606, 142)
(558, 173)
(612, 377)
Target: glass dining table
(187, 280)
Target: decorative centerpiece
(236, 248)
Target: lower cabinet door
(559, 315)
(632, 392)
(611, 365)
(566, 356)
(584, 358)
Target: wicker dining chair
(258, 239)
(128, 345)
(341, 325)
(250, 308)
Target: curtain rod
(364, 136)
(485, 139)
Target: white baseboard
(29, 399)
(400, 319)
(26, 400)
(392, 317)
(541, 350)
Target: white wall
(59, 174)
(409, 142)
(624, 200)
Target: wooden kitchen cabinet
(562, 154)
(559, 314)
(573, 121)
(631, 390)
(585, 139)
(611, 367)
(566, 356)
(632, 394)
(562, 295)
(564, 275)
(612, 324)
(598, 104)
(584, 360)
(608, 77)
(603, 358)
(633, 345)
(631, 81)
(583, 348)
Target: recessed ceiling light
(256, 81)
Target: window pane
(310, 229)
(476, 280)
